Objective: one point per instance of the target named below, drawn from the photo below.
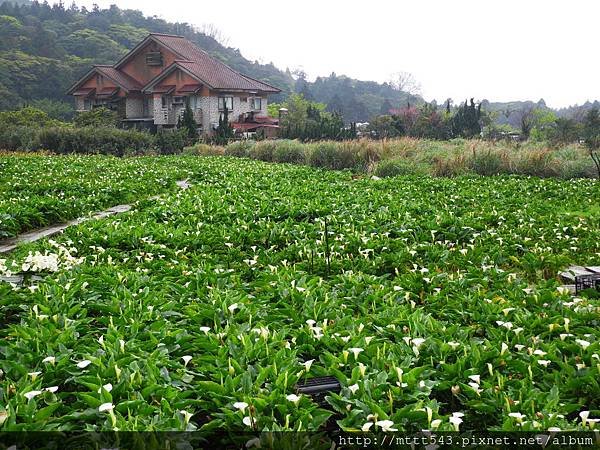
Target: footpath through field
(9, 245)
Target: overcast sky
(499, 50)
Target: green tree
(97, 117)
(467, 121)
(543, 124)
(28, 117)
(224, 132)
(384, 126)
(188, 123)
(591, 134)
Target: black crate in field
(319, 387)
(588, 281)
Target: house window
(154, 59)
(87, 104)
(225, 102)
(178, 100)
(164, 101)
(147, 107)
(256, 103)
(194, 103)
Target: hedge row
(422, 157)
(90, 140)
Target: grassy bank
(419, 156)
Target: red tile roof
(194, 60)
(107, 92)
(164, 89)
(213, 72)
(121, 78)
(189, 88)
(86, 92)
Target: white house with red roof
(150, 86)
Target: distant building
(150, 86)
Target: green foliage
(96, 117)
(543, 125)
(224, 132)
(422, 156)
(396, 167)
(206, 308)
(169, 142)
(58, 110)
(263, 150)
(591, 134)
(308, 121)
(27, 117)
(385, 126)
(202, 149)
(45, 48)
(92, 140)
(289, 151)
(467, 120)
(38, 191)
(241, 149)
(188, 123)
(92, 44)
(331, 155)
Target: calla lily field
(434, 302)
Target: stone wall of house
(209, 107)
(134, 107)
(211, 113)
(157, 108)
(79, 103)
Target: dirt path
(35, 235)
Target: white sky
(499, 50)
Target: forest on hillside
(45, 48)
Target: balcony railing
(169, 116)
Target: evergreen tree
(224, 131)
(467, 120)
(591, 134)
(187, 121)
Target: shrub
(18, 138)
(395, 167)
(170, 142)
(333, 155)
(97, 117)
(239, 149)
(536, 162)
(488, 162)
(201, 149)
(444, 166)
(263, 151)
(109, 141)
(366, 152)
(289, 151)
(28, 117)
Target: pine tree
(591, 134)
(224, 131)
(187, 122)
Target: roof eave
(146, 89)
(76, 85)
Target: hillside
(44, 49)
(510, 113)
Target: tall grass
(410, 156)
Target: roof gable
(207, 69)
(191, 59)
(121, 79)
